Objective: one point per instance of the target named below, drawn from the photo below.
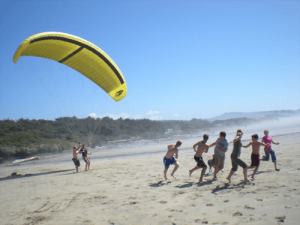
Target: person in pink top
(267, 139)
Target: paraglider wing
(78, 54)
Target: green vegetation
(25, 137)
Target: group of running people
(221, 147)
(81, 149)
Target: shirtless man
(255, 153)
(201, 147)
(75, 157)
(219, 152)
(171, 158)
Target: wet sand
(131, 189)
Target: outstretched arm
(246, 146)
(78, 147)
(275, 143)
(263, 144)
(212, 144)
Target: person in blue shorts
(171, 158)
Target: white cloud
(93, 115)
(152, 112)
(176, 115)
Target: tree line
(24, 137)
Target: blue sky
(181, 59)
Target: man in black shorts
(201, 147)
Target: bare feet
(252, 177)
(277, 169)
(190, 172)
(165, 177)
(228, 179)
(247, 181)
(173, 175)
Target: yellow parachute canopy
(78, 54)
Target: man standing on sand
(235, 157)
(267, 139)
(201, 147)
(255, 160)
(75, 157)
(219, 152)
(171, 158)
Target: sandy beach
(126, 186)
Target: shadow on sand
(17, 175)
(260, 172)
(229, 186)
(160, 183)
(199, 184)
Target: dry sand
(131, 189)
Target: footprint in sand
(178, 193)
(226, 201)
(36, 219)
(249, 207)
(163, 202)
(110, 222)
(280, 219)
(100, 197)
(131, 203)
(210, 204)
(175, 210)
(237, 214)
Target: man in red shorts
(255, 160)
